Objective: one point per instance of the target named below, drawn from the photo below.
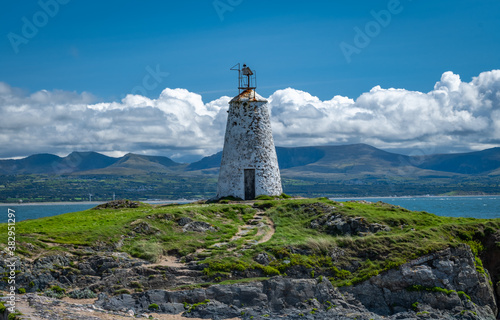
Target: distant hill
(38, 163)
(287, 158)
(87, 163)
(51, 164)
(138, 164)
(362, 159)
(353, 161)
(466, 163)
(82, 161)
(323, 159)
(209, 162)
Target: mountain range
(357, 160)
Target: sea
(27, 211)
(482, 207)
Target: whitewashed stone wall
(249, 144)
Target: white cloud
(455, 116)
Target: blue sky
(67, 66)
(104, 47)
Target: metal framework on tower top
(246, 77)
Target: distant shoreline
(184, 201)
(403, 197)
(88, 202)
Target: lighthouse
(249, 165)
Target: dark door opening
(249, 184)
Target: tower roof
(249, 95)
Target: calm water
(484, 207)
(34, 211)
(476, 207)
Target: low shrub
(82, 294)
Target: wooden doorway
(249, 184)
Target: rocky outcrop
(198, 226)
(99, 272)
(188, 224)
(264, 258)
(445, 283)
(333, 222)
(117, 204)
(338, 224)
(272, 298)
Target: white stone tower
(249, 166)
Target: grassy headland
(303, 242)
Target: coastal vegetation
(301, 237)
(50, 188)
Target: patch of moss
(264, 197)
(153, 306)
(437, 289)
(121, 291)
(14, 316)
(193, 307)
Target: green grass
(293, 245)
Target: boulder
(117, 204)
(183, 221)
(338, 224)
(198, 226)
(264, 258)
(443, 281)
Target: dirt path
(267, 233)
(261, 223)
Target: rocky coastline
(456, 282)
(465, 293)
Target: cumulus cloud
(454, 116)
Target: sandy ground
(167, 261)
(72, 309)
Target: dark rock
(144, 228)
(264, 258)
(117, 204)
(451, 269)
(213, 310)
(384, 296)
(198, 226)
(172, 308)
(183, 221)
(338, 224)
